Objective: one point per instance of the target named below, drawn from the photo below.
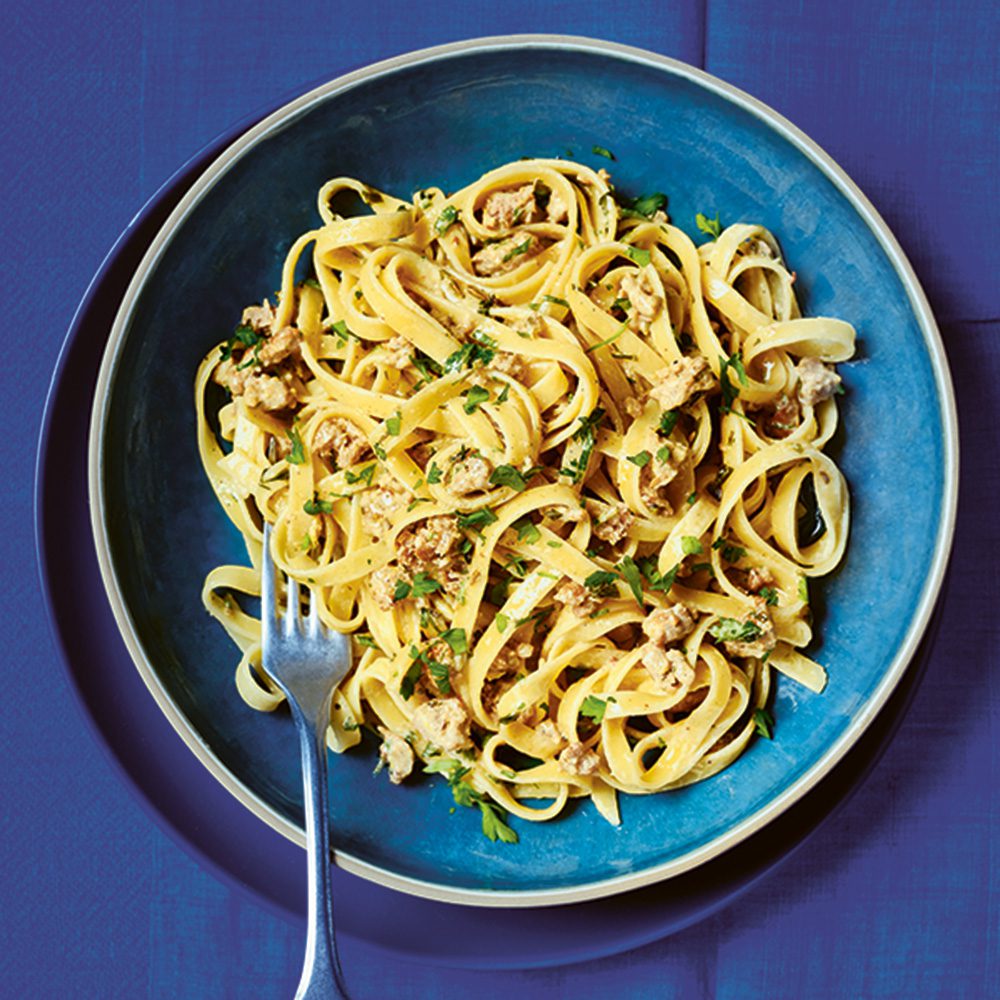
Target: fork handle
(321, 975)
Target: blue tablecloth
(898, 895)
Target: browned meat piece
(654, 477)
(577, 759)
(444, 723)
(759, 577)
(647, 301)
(817, 381)
(429, 547)
(615, 527)
(397, 754)
(762, 643)
(669, 668)
(557, 210)
(377, 507)
(470, 475)
(580, 601)
(279, 346)
(664, 626)
(259, 318)
(513, 207)
(399, 352)
(499, 258)
(229, 375)
(341, 442)
(269, 392)
(382, 584)
(510, 660)
(674, 385)
(784, 418)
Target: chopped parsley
(691, 546)
(456, 639)
(644, 206)
(493, 816)
(731, 553)
(527, 532)
(521, 248)
(668, 421)
(640, 256)
(663, 454)
(763, 723)
(770, 595)
(640, 458)
(394, 424)
(501, 621)
(710, 227)
(317, 506)
(468, 355)
(732, 630)
(475, 397)
(507, 475)
(803, 590)
(364, 476)
(297, 456)
(607, 340)
(654, 578)
(340, 329)
(433, 474)
(243, 335)
(601, 151)
(424, 584)
(555, 300)
(478, 519)
(447, 218)
(601, 581)
(729, 391)
(593, 708)
(632, 576)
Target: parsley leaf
(424, 584)
(475, 397)
(478, 519)
(640, 256)
(440, 675)
(631, 575)
(644, 206)
(394, 423)
(593, 708)
(729, 391)
(732, 630)
(710, 227)
(402, 591)
(601, 581)
(507, 475)
(468, 355)
(433, 474)
(770, 595)
(364, 476)
(527, 532)
(521, 248)
(668, 421)
(763, 723)
(447, 218)
(657, 581)
(691, 546)
(494, 823)
(501, 621)
(411, 676)
(297, 456)
(601, 151)
(317, 506)
(456, 639)
(641, 458)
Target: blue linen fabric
(897, 895)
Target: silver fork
(307, 661)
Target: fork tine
(293, 611)
(313, 622)
(268, 603)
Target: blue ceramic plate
(443, 117)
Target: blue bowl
(443, 117)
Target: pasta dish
(558, 469)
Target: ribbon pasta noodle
(558, 470)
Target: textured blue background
(897, 895)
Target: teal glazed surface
(443, 123)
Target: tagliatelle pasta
(558, 470)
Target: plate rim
(861, 721)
